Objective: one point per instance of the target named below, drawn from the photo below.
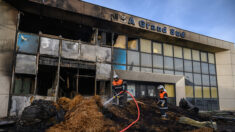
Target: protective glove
(162, 104)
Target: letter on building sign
(131, 21)
(147, 25)
(177, 33)
(164, 30)
(172, 31)
(182, 34)
(152, 27)
(159, 29)
(142, 23)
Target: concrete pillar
(8, 22)
(225, 75)
(180, 90)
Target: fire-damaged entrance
(76, 81)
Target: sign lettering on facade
(145, 25)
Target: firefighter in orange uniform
(117, 87)
(162, 102)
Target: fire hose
(108, 101)
(123, 130)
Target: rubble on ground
(88, 114)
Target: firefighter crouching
(117, 87)
(162, 101)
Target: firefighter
(117, 87)
(162, 101)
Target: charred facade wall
(8, 22)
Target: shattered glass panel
(49, 46)
(27, 43)
(70, 50)
(133, 43)
(25, 64)
(120, 41)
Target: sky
(214, 18)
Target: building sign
(145, 25)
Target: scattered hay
(83, 115)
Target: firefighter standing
(117, 86)
(162, 102)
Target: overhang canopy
(148, 77)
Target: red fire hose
(123, 130)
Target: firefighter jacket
(163, 100)
(117, 85)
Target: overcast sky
(214, 18)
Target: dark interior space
(86, 83)
(46, 80)
(73, 81)
(103, 87)
(67, 83)
(34, 24)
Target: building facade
(51, 49)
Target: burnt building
(51, 49)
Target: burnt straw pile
(88, 115)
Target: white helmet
(115, 76)
(160, 87)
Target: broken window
(23, 84)
(133, 43)
(46, 80)
(34, 24)
(104, 38)
(49, 46)
(119, 41)
(27, 43)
